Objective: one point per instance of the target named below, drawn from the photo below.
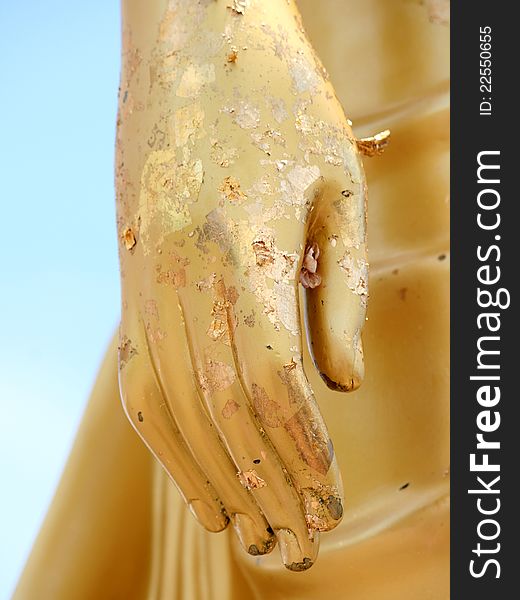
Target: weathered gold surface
(228, 172)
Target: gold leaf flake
(263, 251)
(349, 219)
(356, 272)
(303, 74)
(239, 6)
(286, 302)
(278, 109)
(126, 351)
(204, 285)
(129, 238)
(251, 480)
(233, 55)
(230, 190)
(309, 278)
(219, 328)
(313, 448)
(223, 157)
(269, 412)
(167, 189)
(374, 145)
(188, 124)
(244, 114)
(217, 376)
(299, 179)
(194, 78)
(230, 408)
(150, 308)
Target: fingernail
(323, 509)
(207, 516)
(293, 556)
(348, 373)
(254, 539)
(335, 507)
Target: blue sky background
(59, 288)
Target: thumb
(335, 277)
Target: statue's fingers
(335, 277)
(151, 417)
(170, 351)
(210, 326)
(268, 360)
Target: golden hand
(238, 177)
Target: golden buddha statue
(242, 221)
